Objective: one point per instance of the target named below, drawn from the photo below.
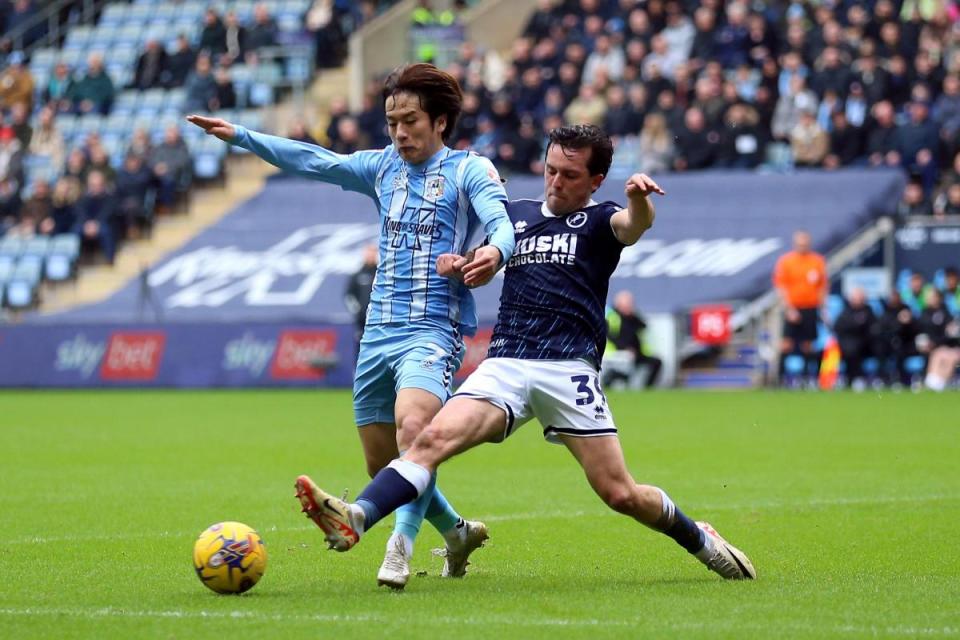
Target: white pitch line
(532, 515)
(523, 621)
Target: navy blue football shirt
(555, 286)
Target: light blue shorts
(401, 356)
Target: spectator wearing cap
(94, 92)
(16, 83)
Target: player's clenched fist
(214, 127)
(641, 185)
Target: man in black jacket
(625, 328)
(853, 328)
(359, 286)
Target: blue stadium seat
(129, 34)
(44, 58)
(62, 258)
(78, 37)
(834, 307)
(261, 94)
(113, 14)
(11, 246)
(207, 166)
(6, 268)
(29, 269)
(37, 247)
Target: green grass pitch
(848, 505)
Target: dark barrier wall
(927, 248)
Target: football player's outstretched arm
(483, 185)
(630, 223)
(354, 172)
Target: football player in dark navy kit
(544, 357)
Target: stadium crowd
(698, 84)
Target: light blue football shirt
(425, 210)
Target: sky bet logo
(559, 248)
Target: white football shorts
(563, 395)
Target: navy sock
(387, 492)
(685, 531)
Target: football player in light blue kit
(431, 200)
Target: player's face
(567, 181)
(415, 137)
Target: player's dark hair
(585, 136)
(439, 92)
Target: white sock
(708, 546)
(935, 382)
(456, 536)
(357, 518)
(669, 508)
(413, 473)
(407, 543)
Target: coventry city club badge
(434, 189)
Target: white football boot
(395, 570)
(456, 556)
(341, 522)
(726, 559)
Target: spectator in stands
(201, 87)
(914, 202)
(299, 131)
(882, 139)
(732, 43)
(786, 116)
(63, 214)
(587, 107)
(914, 294)
(235, 38)
(47, 141)
(226, 97)
(36, 208)
(100, 162)
(349, 136)
(697, 146)
(894, 343)
(938, 337)
(94, 92)
(322, 21)
(213, 39)
(10, 204)
(846, 142)
(607, 56)
(951, 290)
(808, 141)
(23, 13)
(140, 144)
(853, 328)
(625, 327)
(20, 123)
(16, 83)
(622, 118)
(656, 145)
(172, 167)
(519, 151)
(76, 165)
(11, 157)
(742, 141)
(95, 211)
(180, 63)
(134, 182)
(263, 32)
(356, 297)
(918, 142)
(56, 93)
(946, 108)
(800, 278)
(948, 202)
(151, 67)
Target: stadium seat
(114, 14)
(11, 246)
(20, 295)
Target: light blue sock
(440, 514)
(410, 516)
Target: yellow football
(229, 557)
